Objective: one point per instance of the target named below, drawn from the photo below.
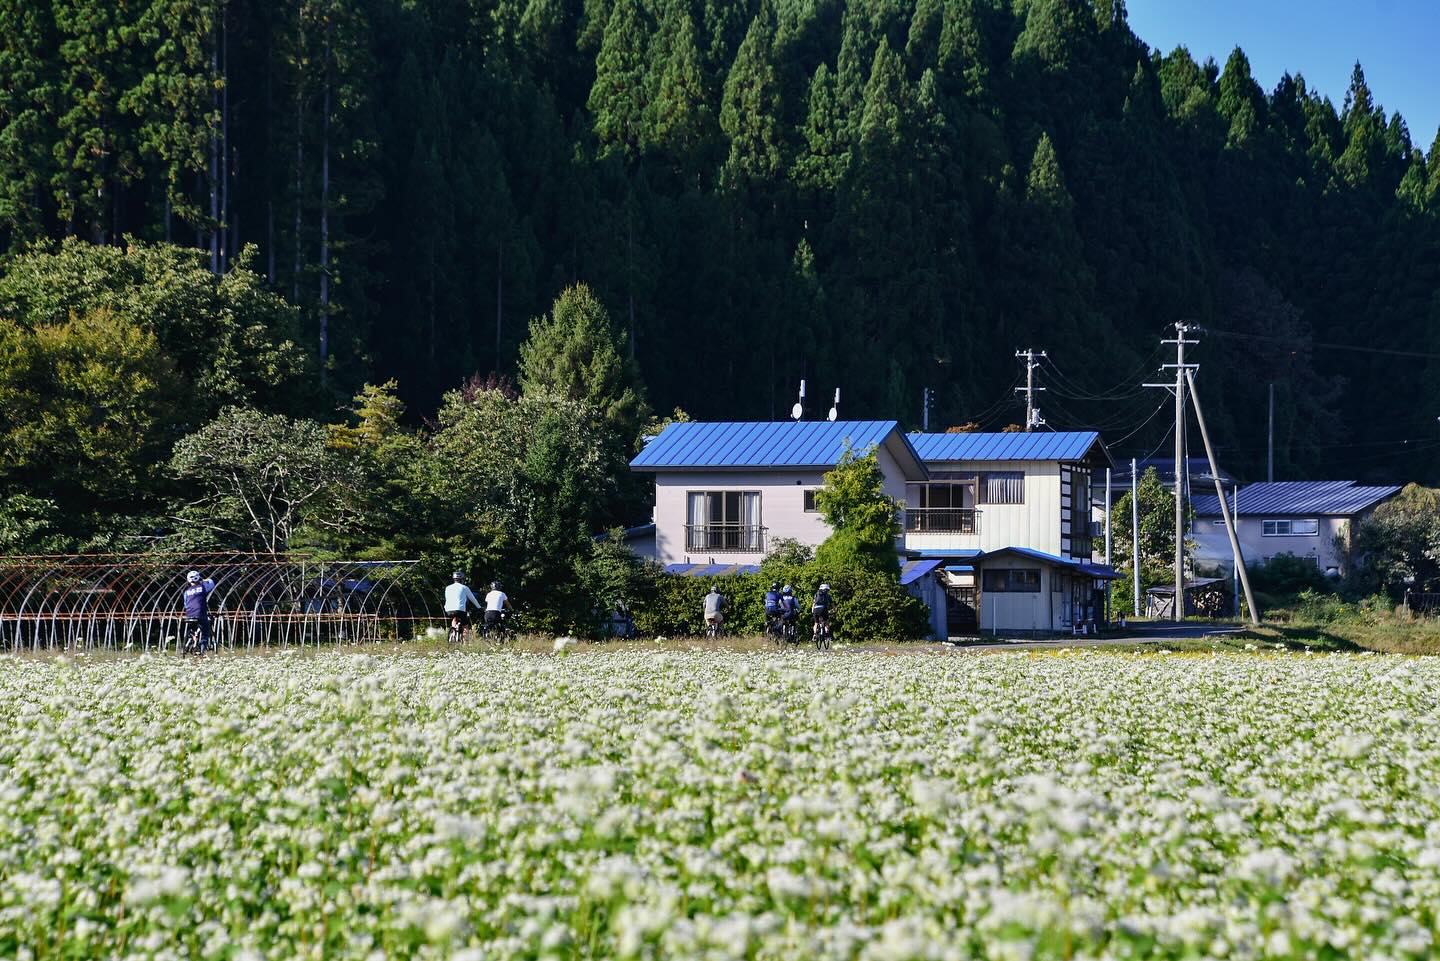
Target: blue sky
(1396, 41)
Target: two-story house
(996, 533)
(1009, 517)
(725, 492)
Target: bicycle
(712, 628)
(789, 631)
(823, 636)
(194, 639)
(459, 629)
(775, 629)
(499, 632)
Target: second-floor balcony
(942, 520)
(724, 539)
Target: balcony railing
(724, 539)
(942, 520)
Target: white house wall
(1003, 612)
(782, 507)
(1034, 524)
(1213, 547)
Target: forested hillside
(879, 195)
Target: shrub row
(868, 606)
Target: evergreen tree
(681, 122)
(1241, 100)
(825, 156)
(28, 37)
(1364, 153)
(575, 352)
(963, 58)
(618, 98)
(750, 113)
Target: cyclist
(497, 605)
(772, 609)
(458, 598)
(715, 605)
(789, 607)
(197, 607)
(820, 609)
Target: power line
(1419, 442)
(1387, 351)
(1143, 424)
(1076, 391)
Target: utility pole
(1180, 342)
(1135, 532)
(925, 412)
(1032, 413)
(1224, 506)
(1108, 583)
(1234, 512)
(1270, 447)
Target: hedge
(868, 606)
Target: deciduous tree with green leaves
(864, 520)
(262, 478)
(87, 406)
(1398, 545)
(1157, 539)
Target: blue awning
(912, 571)
(959, 569)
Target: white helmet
(193, 577)
(825, 588)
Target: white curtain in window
(750, 509)
(696, 510)
(1005, 487)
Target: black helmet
(494, 585)
(774, 585)
(458, 575)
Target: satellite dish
(832, 415)
(835, 409)
(797, 412)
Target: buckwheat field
(711, 805)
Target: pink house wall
(782, 506)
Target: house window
(1012, 581)
(810, 507)
(1291, 528)
(1003, 487)
(723, 521)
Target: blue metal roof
(1099, 571)
(1033, 554)
(1036, 445)
(1297, 497)
(912, 571)
(769, 444)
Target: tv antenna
(835, 408)
(798, 411)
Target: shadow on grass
(1306, 638)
